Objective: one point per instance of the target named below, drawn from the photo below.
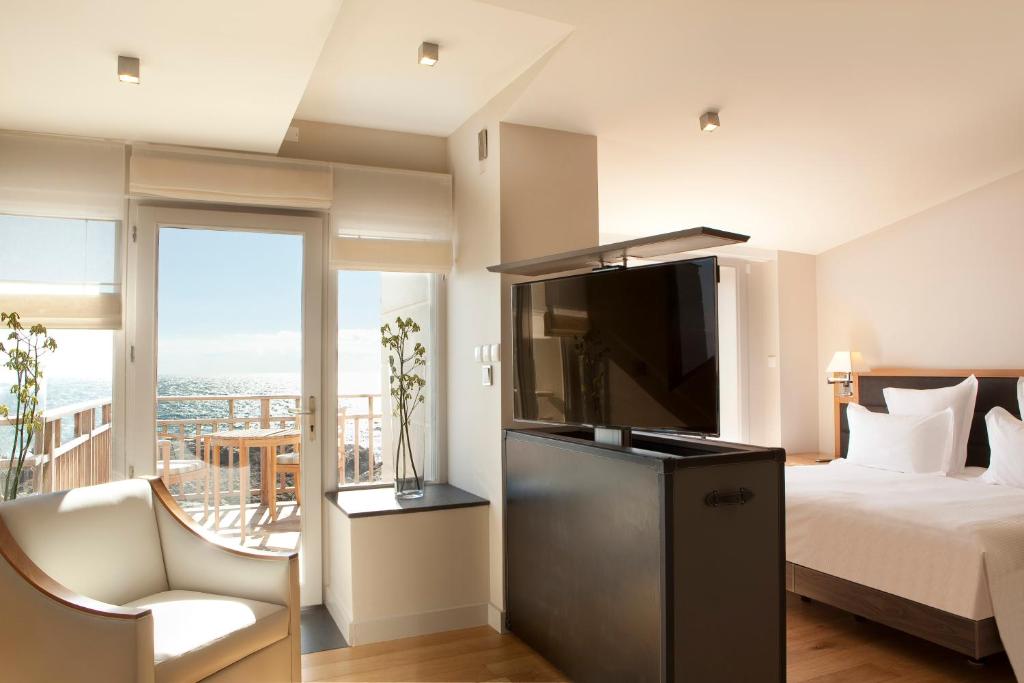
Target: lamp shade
(845, 362)
(840, 363)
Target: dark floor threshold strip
(319, 632)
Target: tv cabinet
(659, 561)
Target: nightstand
(807, 459)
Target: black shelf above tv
(656, 246)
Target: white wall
(474, 310)
(763, 379)
(940, 289)
(474, 317)
(798, 352)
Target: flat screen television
(629, 347)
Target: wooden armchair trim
(45, 584)
(162, 495)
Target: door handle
(312, 416)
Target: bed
(909, 550)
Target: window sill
(372, 502)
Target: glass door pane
(229, 380)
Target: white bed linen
(914, 535)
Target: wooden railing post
(265, 412)
(342, 456)
(369, 447)
(51, 438)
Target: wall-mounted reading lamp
(840, 371)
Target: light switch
(773, 362)
(477, 354)
(488, 376)
(496, 353)
(485, 355)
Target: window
(367, 300)
(65, 274)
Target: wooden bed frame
(974, 638)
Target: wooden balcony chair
(115, 583)
(284, 464)
(178, 471)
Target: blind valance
(391, 255)
(48, 175)
(229, 178)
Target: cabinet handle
(740, 497)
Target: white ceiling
(216, 73)
(838, 116)
(368, 74)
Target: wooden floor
(825, 645)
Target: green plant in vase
(24, 350)
(407, 385)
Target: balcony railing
(85, 458)
(359, 426)
(81, 461)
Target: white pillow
(960, 399)
(1006, 438)
(903, 443)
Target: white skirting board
(338, 613)
(496, 618)
(405, 625)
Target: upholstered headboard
(995, 388)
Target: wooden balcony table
(240, 441)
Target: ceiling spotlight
(709, 121)
(128, 69)
(428, 54)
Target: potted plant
(24, 350)
(407, 385)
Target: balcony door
(224, 372)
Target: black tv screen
(630, 347)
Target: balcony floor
(280, 535)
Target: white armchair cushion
(198, 634)
(99, 541)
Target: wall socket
(488, 375)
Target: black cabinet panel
(620, 564)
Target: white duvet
(950, 542)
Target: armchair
(116, 583)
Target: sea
(64, 391)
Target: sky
(230, 302)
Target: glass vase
(409, 459)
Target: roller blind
(43, 175)
(391, 220)
(61, 272)
(228, 178)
